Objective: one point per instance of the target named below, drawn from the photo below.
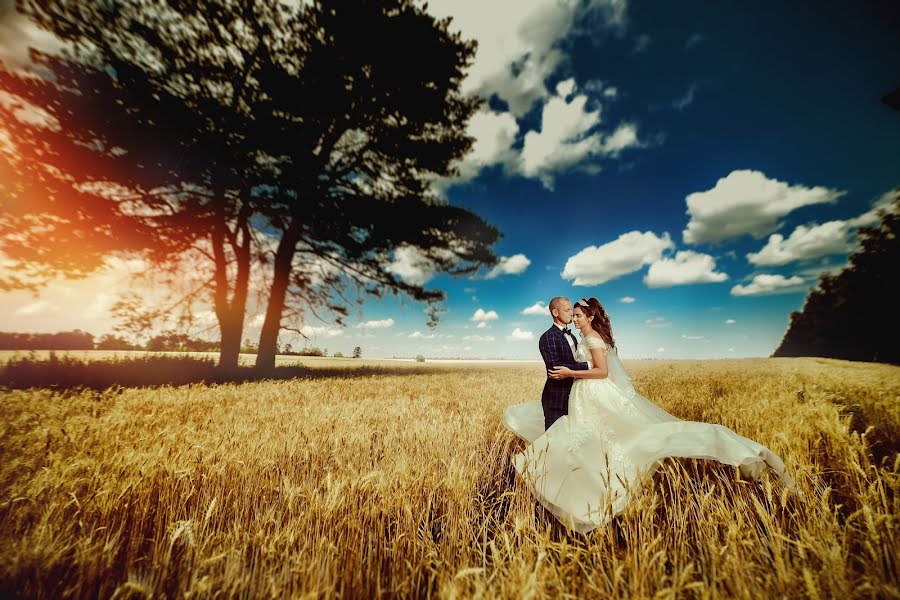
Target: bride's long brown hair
(594, 311)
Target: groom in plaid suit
(557, 346)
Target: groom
(557, 346)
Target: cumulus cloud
(382, 324)
(519, 335)
(730, 321)
(518, 42)
(569, 138)
(519, 49)
(315, 331)
(538, 308)
(806, 242)
(660, 349)
(411, 265)
(630, 252)
(747, 202)
(626, 300)
(509, 265)
(686, 268)
(765, 284)
(482, 317)
(494, 134)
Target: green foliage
(420, 358)
(357, 352)
(852, 314)
(338, 355)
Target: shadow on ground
(71, 373)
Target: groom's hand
(559, 372)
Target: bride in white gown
(587, 465)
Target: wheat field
(398, 484)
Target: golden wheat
(400, 484)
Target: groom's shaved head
(557, 302)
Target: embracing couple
(592, 439)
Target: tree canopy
(217, 140)
(850, 315)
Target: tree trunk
(230, 346)
(284, 258)
(230, 314)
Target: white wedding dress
(587, 464)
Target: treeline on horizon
(167, 342)
(851, 315)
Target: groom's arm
(555, 355)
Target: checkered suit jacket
(556, 352)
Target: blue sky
(695, 166)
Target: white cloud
(418, 335)
(482, 325)
(814, 241)
(870, 217)
(537, 308)
(315, 331)
(39, 307)
(482, 317)
(657, 322)
(479, 338)
(691, 337)
(747, 202)
(520, 336)
(660, 349)
(730, 321)
(806, 242)
(411, 265)
(626, 300)
(569, 139)
(495, 134)
(765, 284)
(631, 251)
(382, 324)
(509, 265)
(518, 50)
(686, 268)
(518, 42)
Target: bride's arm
(600, 370)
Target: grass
(396, 481)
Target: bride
(585, 467)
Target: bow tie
(569, 331)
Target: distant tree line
(164, 342)
(852, 315)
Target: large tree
(222, 129)
(360, 154)
(850, 315)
